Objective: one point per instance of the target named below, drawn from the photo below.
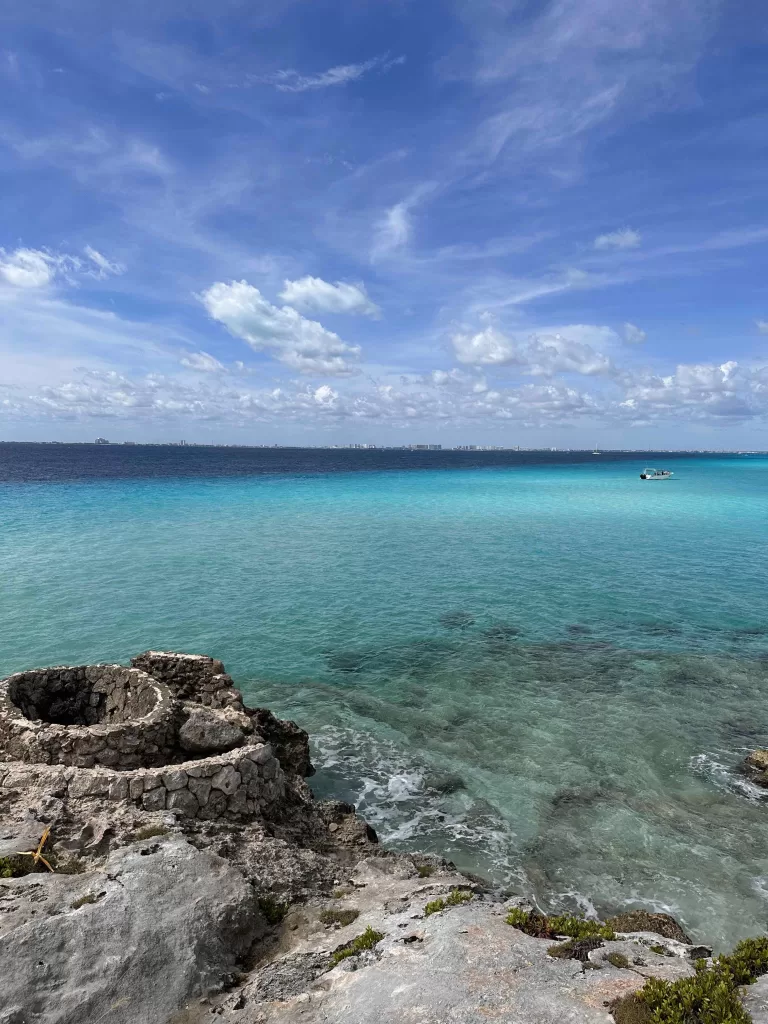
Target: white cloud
(393, 231)
(538, 354)
(304, 345)
(289, 80)
(634, 335)
(104, 267)
(626, 238)
(28, 268)
(202, 361)
(762, 326)
(317, 295)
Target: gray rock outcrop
(160, 924)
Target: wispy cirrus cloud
(625, 238)
(290, 80)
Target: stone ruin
(170, 733)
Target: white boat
(656, 474)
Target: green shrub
(454, 899)
(425, 870)
(544, 927)
(273, 911)
(617, 959)
(434, 907)
(711, 996)
(88, 898)
(367, 940)
(339, 894)
(342, 917)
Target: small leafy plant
(711, 996)
(342, 917)
(425, 870)
(273, 911)
(367, 940)
(542, 926)
(617, 959)
(455, 898)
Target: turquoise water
(548, 674)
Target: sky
(383, 221)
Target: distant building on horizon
(101, 440)
(426, 447)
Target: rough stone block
(154, 800)
(201, 789)
(184, 801)
(227, 780)
(176, 779)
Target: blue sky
(463, 222)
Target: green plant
(660, 950)
(367, 940)
(434, 907)
(454, 899)
(711, 996)
(273, 911)
(342, 917)
(150, 832)
(458, 896)
(339, 894)
(88, 898)
(617, 959)
(425, 870)
(544, 927)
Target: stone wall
(191, 677)
(87, 715)
(239, 784)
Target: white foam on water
(724, 778)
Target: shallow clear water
(548, 673)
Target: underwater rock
(578, 629)
(457, 620)
(444, 782)
(345, 661)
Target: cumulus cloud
(317, 295)
(28, 268)
(289, 80)
(304, 345)
(633, 335)
(537, 355)
(709, 392)
(762, 326)
(202, 361)
(626, 238)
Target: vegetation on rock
(342, 917)
(273, 911)
(541, 926)
(711, 996)
(455, 898)
(617, 959)
(367, 940)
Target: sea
(534, 664)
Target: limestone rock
(289, 742)
(205, 732)
(756, 767)
(645, 921)
(162, 924)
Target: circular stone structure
(87, 715)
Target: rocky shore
(163, 861)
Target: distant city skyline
(295, 223)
